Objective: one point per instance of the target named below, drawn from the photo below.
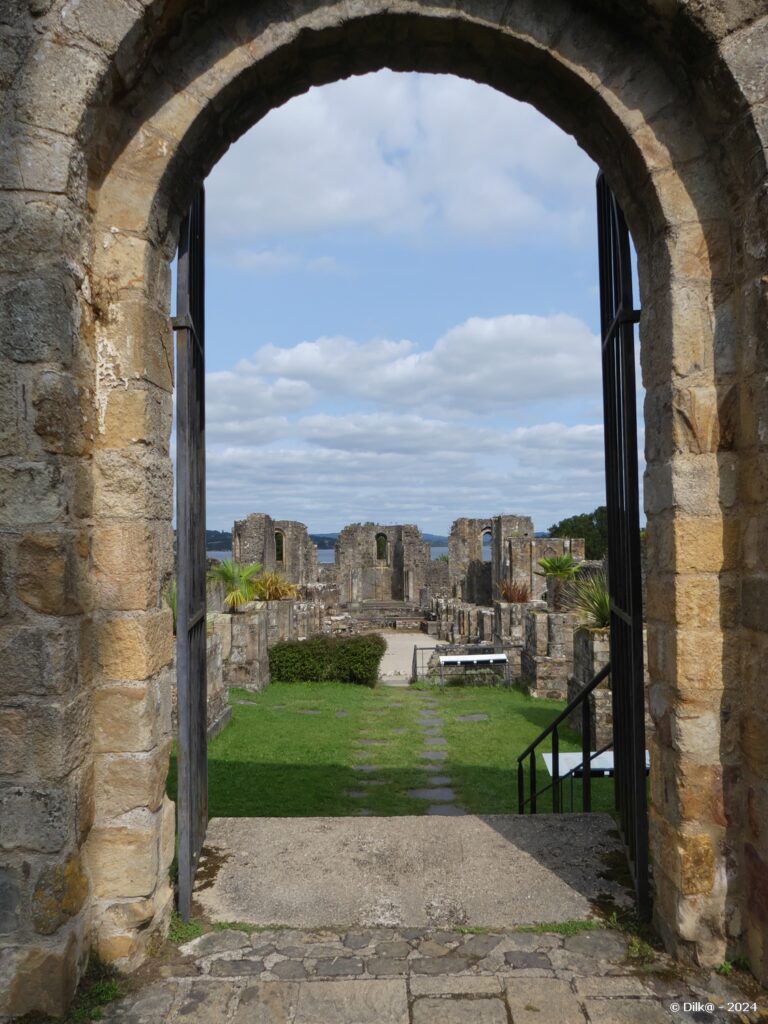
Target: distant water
(325, 556)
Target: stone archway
(116, 115)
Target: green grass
(272, 760)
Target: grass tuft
(184, 931)
(562, 927)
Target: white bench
(600, 766)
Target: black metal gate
(191, 683)
(618, 317)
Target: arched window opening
(279, 547)
(487, 545)
(381, 547)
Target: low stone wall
(547, 657)
(459, 622)
(293, 620)
(218, 710)
(592, 652)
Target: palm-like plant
(514, 593)
(588, 595)
(562, 567)
(238, 580)
(273, 587)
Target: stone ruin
(280, 545)
(514, 556)
(381, 563)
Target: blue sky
(402, 311)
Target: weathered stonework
(381, 563)
(110, 121)
(277, 544)
(546, 660)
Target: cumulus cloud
(482, 364)
(336, 430)
(398, 154)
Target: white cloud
(398, 153)
(337, 430)
(482, 365)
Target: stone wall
(219, 711)
(105, 137)
(398, 575)
(259, 538)
(546, 660)
(521, 556)
(591, 652)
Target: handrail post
(586, 764)
(555, 772)
(520, 788)
(532, 770)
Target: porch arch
(148, 140)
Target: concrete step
(491, 871)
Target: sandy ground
(489, 871)
(398, 659)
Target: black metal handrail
(552, 729)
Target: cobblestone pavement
(415, 976)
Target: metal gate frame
(617, 319)
(191, 677)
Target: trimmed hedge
(321, 658)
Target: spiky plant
(273, 587)
(514, 593)
(238, 581)
(589, 597)
(562, 567)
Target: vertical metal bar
(555, 771)
(620, 423)
(532, 780)
(586, 750)
(520, 788)
(192, 809)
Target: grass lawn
(276, 759)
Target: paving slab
(435, 793)
(447, 810)
(472, 870)
(352, 1002)
(459, 1011)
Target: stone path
(413, 976)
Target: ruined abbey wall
(381, 563)
(280, 545)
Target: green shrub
(322, 658)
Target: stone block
(125, 781)
(485, 1010)
(136, 646)
(126, 718)
(122, 862)
(10, 902)
(167, 832)
(32, 493)
(35, 819)
(365, 1002)
(126, 561)
(47, 736)
(132, 484)
(136, 416)
(697, 864)
(28, 656)
(60, 892)
(61, 414)
(50, 571)
(39, 318)
(57, 81)
(105, 22)
(39, 979)
(137, 343)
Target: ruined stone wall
(546, 660)
(521, 557)
(255, 540)
(399, 575)
(112, 115)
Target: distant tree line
(592, 526)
